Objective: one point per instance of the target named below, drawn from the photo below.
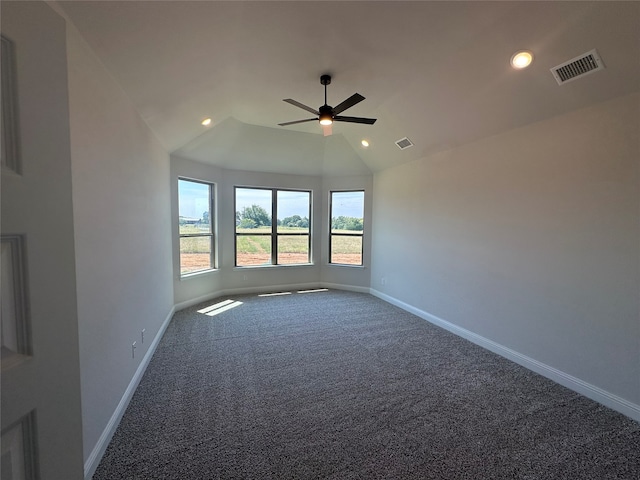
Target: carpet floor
(342, 385)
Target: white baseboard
(607, 399)
(270, 289)
(194, 301)
(263, 289)
(591, 391)
(94, 458)
(349, 288)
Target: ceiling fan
(327, 114)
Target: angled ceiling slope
(236, 145)
(436, 72)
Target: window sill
(289, 265)
(345, 265)
(199, 273)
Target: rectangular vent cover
(575, 68)
(404, 143)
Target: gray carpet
(341, 385)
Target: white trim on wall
(96, 454)
(270, 289)
(597, 394)
(242, 291)
(349, 288)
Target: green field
(255, 249)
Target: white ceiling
(436, 72)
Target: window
(256, 241)
(347, 227)
(195, 207)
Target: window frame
(274, 234)
(331, 234)
(212, 229)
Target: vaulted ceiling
(436, 72)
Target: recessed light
(206, 121)
(521, 59)
(364, 143)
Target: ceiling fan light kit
(327, 114)
(326, 117)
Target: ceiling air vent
(404, 143)
(575, 68)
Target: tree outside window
(347, 227)
(260, 240)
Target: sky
(290, 203)
(193, 201)
(348, 204)
(193, 198)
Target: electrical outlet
(142, 335)
(383, 281)
(133, 350)
(244, 278)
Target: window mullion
(309, 231)
(193, 235)
(212, 253)
(274, 227)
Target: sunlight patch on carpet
(217, 308)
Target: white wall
(122, 221)
(529, 239)
(38, 206)
(228, 278)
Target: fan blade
(301, 105)
(327, 130)
(297, 121)
(368, 121)
(348, 103)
